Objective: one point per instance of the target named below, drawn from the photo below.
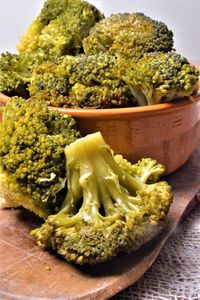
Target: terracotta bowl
(166, 132)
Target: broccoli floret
(129, 35)
(106, 209)
(15, 73)
(147, 169)
(60, 27)
(159, 77)
(32, 159)
(47, 85)
(81, 81)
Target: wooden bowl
(167, 132)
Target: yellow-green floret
(106, 209)
(129, 35)
(16, 71)
(159, 77)
(32, 159)
(60, 27)
(82, 81)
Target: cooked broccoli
(129, 35)
(148, 170)
(81, 81)
(16, 71)
(159, 77)
(60, 27)
(106, 209)
(32, 159)
(45, 84)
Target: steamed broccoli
(60, 27)
(16, 71)
(159, 77)
(32, 160)
(81, 81)
(129, 35)
(109, 206)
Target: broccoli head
(159, 77)
(16, 71)
(82, 81)
(109, 206)
(60, 27)
(47, 85)
(32, 159)
(129, 35)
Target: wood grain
(28, 272)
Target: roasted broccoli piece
(129, 35)
(32, 159)
(60, 27)
(106, 209)
(81, 81)
(159, 77)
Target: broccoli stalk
(106, 209)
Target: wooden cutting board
(28, 272)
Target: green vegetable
(60, 27)
(32, 160)
(109, 207)
(16, 71)
(81, 81)
(129, 35)
(159, 77)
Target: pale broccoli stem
(102, 183)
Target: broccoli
(129, 35)
(107, 208)
(60, 27)
(16, 71)
(32, 159)
(82, 81)
(46, 85)
(159, 77)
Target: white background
(181, 16)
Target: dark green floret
(159, 77)
(82, 81)
(128, 35)
(16, 71)
(109, 206)
(32, 159)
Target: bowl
(166, 132)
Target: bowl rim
(92, 112)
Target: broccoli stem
(104, 183)
(139, 96)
